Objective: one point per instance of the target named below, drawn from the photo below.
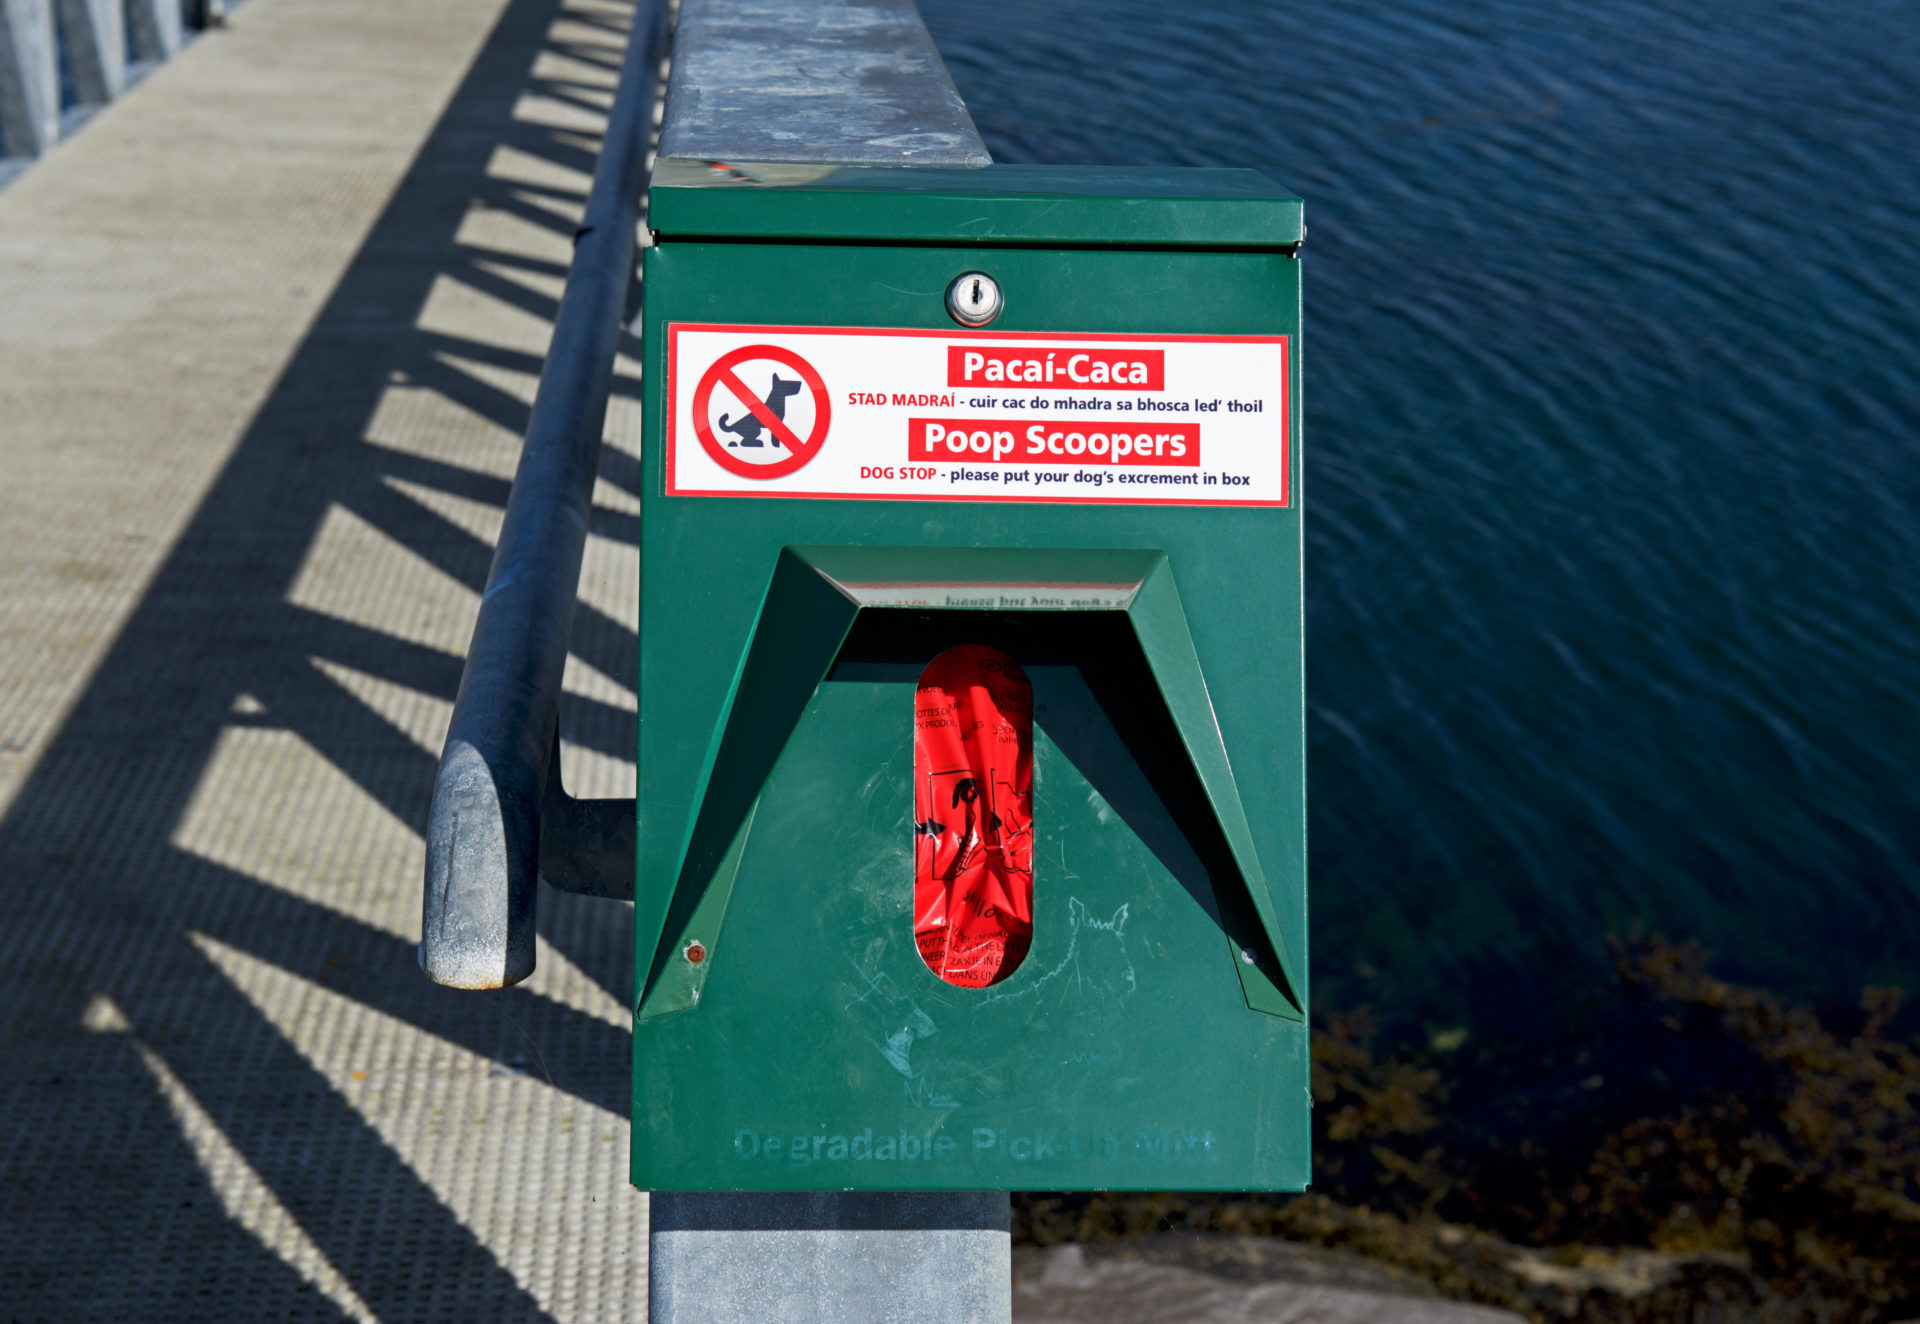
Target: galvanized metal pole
(155, 25)
(96, 32)
(840, 1258)
(821, 83)
(29, 78)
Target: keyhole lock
(973, 299)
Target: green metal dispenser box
(842, 481)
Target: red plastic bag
(973, 812)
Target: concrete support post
(156, 28)
(29, 78)
(96, 32)
(842, 1258)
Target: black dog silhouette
(750, 428)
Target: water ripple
(1614, 500)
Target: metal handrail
(822, 83)
(499, 772)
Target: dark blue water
(1612, 372)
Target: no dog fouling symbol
(761, 411)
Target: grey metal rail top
(813, 82)
(817, 82)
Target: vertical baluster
(156, 28)
(29, 78)
(96, 33)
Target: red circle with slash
(799, 449)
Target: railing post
(29, 78)
(96, 32)
(156, 28)
(842, 1257)
(823, 83)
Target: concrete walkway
(269, 328)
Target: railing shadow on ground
(138, 1055)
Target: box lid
(1024, 205)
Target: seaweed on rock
(1709, 1153)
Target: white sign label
(895, 415)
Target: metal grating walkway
(269, 330)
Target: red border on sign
(1286, 414)
(720, 373)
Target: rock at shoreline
(1188, 1279)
